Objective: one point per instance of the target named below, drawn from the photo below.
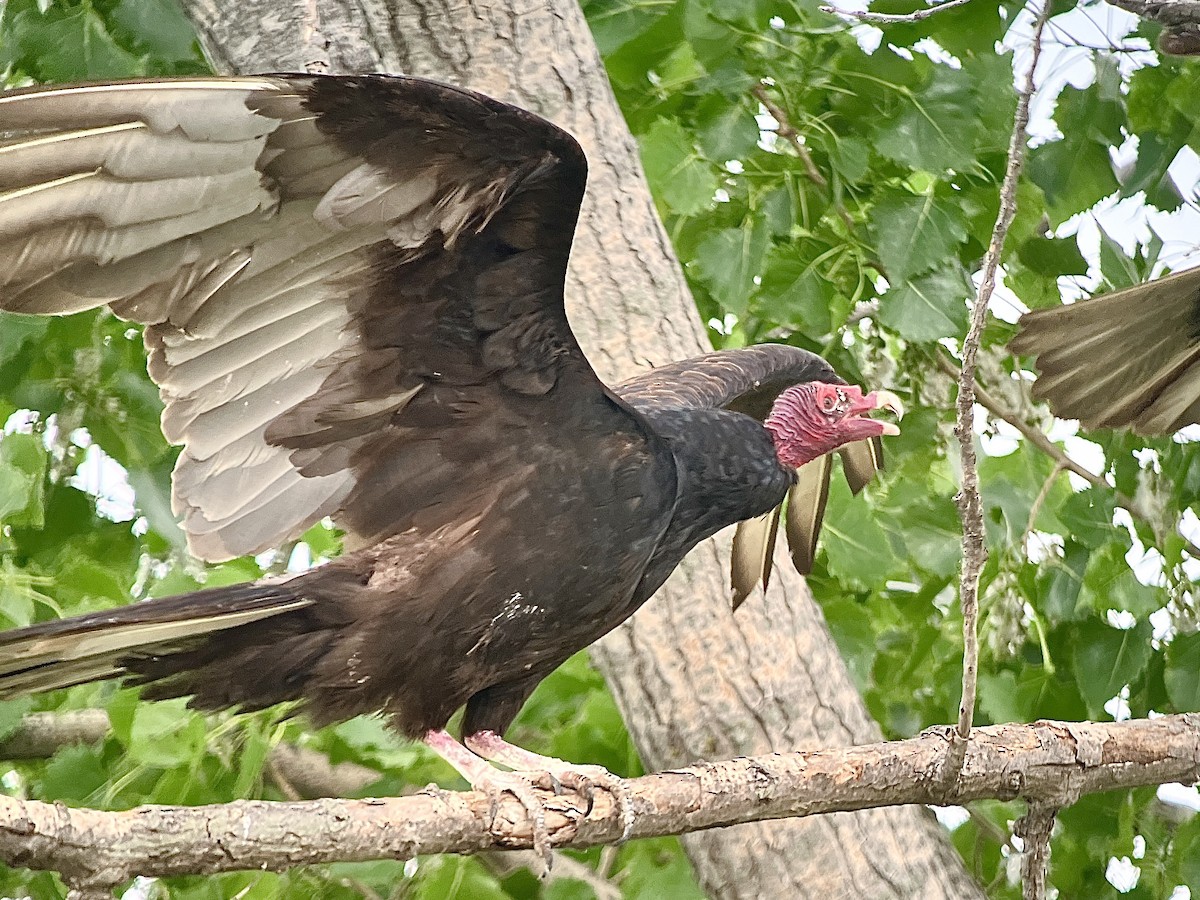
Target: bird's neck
(727, 471)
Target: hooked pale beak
(880, 400)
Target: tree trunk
(694, 681)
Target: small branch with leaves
(1050, 764)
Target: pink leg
(484, 777)
(583, 779)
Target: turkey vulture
(352, 291)
(1130, 359)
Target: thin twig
(968, 501)
(788, 132)
(1056, 453)
(1034, 831)
(1039, 501)
(285, 787)
(871, 18)
(987, 827)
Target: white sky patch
(1122, 874)
(1121, 619)
(301, 559)
(1176, 794)
(1162, 628)
(1118, 706)
(1043, 545)
(104, 478)
(951, 817)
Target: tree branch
(871, 18)
(1034, 831)
(298, 771)
(1051, 763)
(968, 501)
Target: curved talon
(585, 780)
(521, 788)
(582, 785)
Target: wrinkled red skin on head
(812, 419)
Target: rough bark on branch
(1049, 763)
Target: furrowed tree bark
(692, 680)
(1050, 763)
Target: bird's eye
(828, 403)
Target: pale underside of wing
(218, 214)
(1126, 360)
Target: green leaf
(930, 307)
(74, 775)
(680, 179)
(68, 44)
(730, 133)
(165, 734)
(11, 714)
(1183, 673)
(856, 546)
(796, 295)
(730, 259)
(1076, 172)
(157, 27)
(615, 23)
(1106, 659)
(1088, 516)
(1109, 583)
(915, 233)
(23, 468)
(1053, 257)
(937, 129)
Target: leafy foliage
(885, 197)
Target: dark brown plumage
(353, 297)
(1130, 359)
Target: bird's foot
(583, 779)
(495, 783)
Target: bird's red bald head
(812, 419)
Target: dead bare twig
(968, 501)
(871, 18)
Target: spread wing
(748, 380)
(1130, 359)
(352, 286)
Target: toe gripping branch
(530, 771)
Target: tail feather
(103, 645)
(1129, 359)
